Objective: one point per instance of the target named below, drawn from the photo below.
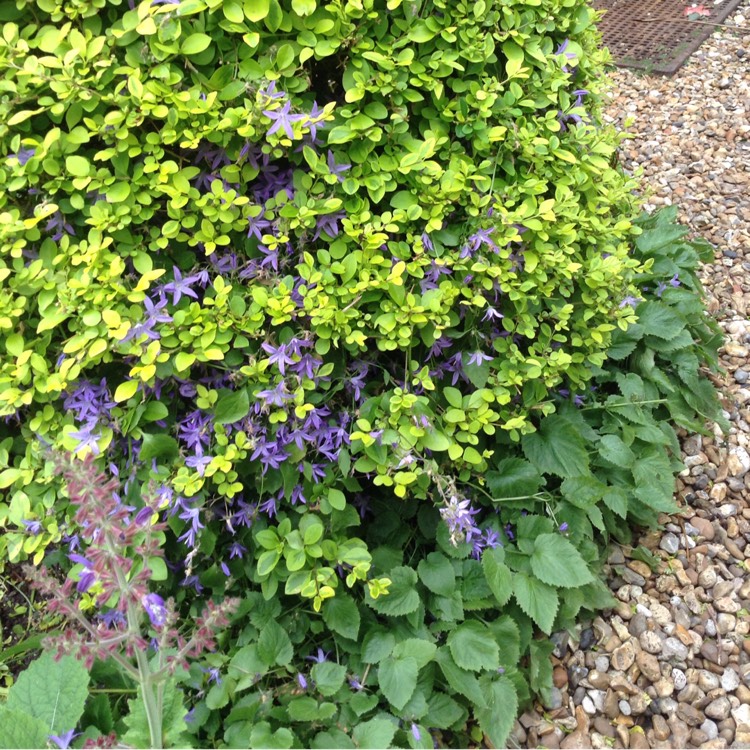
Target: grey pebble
(669, 543)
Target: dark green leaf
(557, 562)
(461, 680)
(540, 669)
(377, 644)
(473, 647)
(398, 679)
(274, 646)
(497, 717)
(498, 574)
(658, 319)
(436, 572)
(329, 677)
(443, 711)
(158, 446)
(538, 600)
(231, 406)
(514, 477)
(556, 448)
(341, 615)
(613, 449)
(402, 597)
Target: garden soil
(669, 667)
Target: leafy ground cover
(333, 354)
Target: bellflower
(459, 517)
(478, 357)
(337, 169)
(23, 155)
(155, 609)
(629, 300)
(282, 119)
(180, 286)
(63, 740)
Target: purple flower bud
(415, 732)
(144, 516)
(155, 609)
(564, 526)
(302, 680)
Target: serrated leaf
(53, 691)
(497, 717)
(373, 734)
(419, 649)
(461, 680)
(540, 668)
(398, 679)
(538, 600)
(556, 448)
(658, 319)
(274, 646)
(613, 449)
(498, 574)
(173, 714)
(437, 574)
(557, 562)
(616, 499)
(377, 644)
(231, 406)
(329, 677)
(402, 597)
(442, 711)
(472, 647)
(341, 615)
(19, 729)
(513, 477)
(508, 638)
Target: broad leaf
(461, 680)
(341, 615)
(329, 677)
(274, 646)
(498, 574)
(53, 691)
(556, 448)
(497, 717)
(473, 647)
(613, 449)
(231, 406)
(377, 644)
(538, 600)
(657, 319)
(514, 477)
(402, 597)
(398, 679)
(173, 714)
(436, 572)
(540, 668)
(19, 729)
(373, 735)
(557, 562)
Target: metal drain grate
(655, 35)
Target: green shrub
(318, 274)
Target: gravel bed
(669, 667)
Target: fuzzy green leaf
(173, 719)
(274, 646)
(341, 615)
(398, 679)
(613, 449)
(402, 597)
(436, 572)
(538, 600)
(513, 477)
(19, 729)
(53, 691)
(497, 717)
(329, 677)
(374, 734)
(473, 647)
(231, 406)
(557, 562)
(556, 448)
(498, 574)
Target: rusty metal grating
(655, 35)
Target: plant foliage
(354, 289)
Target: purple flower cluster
(153, 316)
(458, 516)
(90, 405)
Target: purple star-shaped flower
(180, 286)
(478, 357)
(282, 119)
(337, 169)
(63, 740)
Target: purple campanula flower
(355, 684)
(225, 569)
(478, 357)
(63, 740)
(629, 300)
(23, 155)
(492, 314)
(282, 119)
(193, 516)
(199, 463)
(427, 242)
(509, 532)
(155, 609)
(86, 577)
(415, 732)
(59, 226)
(236, 550)
(86, 438)
(257, 225)
(319, 657)
(214, 674)
(579, 94)
(302, 681)
(33, 527)
(563, 526)
(180, 286)
(277, 356)
(277, 396)
(459, 517)
(270, 92)
(328, 223)
(337, 169)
